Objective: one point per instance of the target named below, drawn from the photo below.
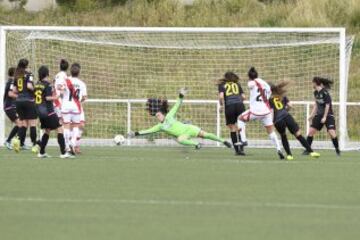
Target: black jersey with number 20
(232, 92)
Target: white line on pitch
(184, 203)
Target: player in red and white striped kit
(260, 92)
(59, 83)
(74, 93)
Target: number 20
(231, 89)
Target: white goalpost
(123, 66)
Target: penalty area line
(184, 203)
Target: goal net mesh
(124, 68)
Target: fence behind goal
(122, 67)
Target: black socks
(44, 142)
(22, 135)
(310, 140)
(335, 142)
(61, 141)
(235, 139)
(12, 134)
(285, 144)
(304, 143)
(33, 135)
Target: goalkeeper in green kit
(170, 125)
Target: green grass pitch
(176, 193)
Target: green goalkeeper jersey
(172, 126)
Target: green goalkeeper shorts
(192, 131)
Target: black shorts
(11, 114)
(289, 123)
(329, 123)
(26, 110)
(233, 111)
(51, 122)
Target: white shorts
(267, 119)
(71, 118)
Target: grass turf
(173, 193)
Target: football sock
(44, 142)
(275, 140)
(335, 141)
(61, 141)
(285, 144)
(67, 136)
(74, 136)
(79, 137)
(213, 137)
(242, 126)
(234, 139)
(304, 143)
(33, 135)
(188, 142)
(12, 134)
(22, 135)
(310, 140)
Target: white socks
(79, 138)
(275, 140)
(74, 136)
(67, 136)
(242, 126)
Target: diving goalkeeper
(170, 125)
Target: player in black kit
(10, 107)
(231, 95)
(322, 113)
(283, 119)
(45, 109)
(25, 106)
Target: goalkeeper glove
(182, 92)
(133, 134)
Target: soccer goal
(123, 66)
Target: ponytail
(280, 88)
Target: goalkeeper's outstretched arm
(179, 101)
(154, 129)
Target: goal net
(122, 67)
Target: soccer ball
(119, 139)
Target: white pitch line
(184, 203)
